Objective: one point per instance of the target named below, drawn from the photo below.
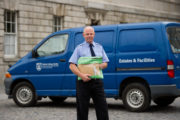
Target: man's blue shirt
(83, 50)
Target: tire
(24, 95)
(136, 97)
(57, 99)
(164, 101)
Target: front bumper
(7, 84)
(164, 90)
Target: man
(89, 88)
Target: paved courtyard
(46, 110)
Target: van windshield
(54, 45)
(174, 38)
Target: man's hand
(102, 65)
(85, 77)
(75, 70)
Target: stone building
(24, 23)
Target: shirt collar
(88, 43)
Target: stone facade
(35, 18)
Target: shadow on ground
(111, 106)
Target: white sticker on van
(40, 66)
(137, 60)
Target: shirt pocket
(84, 53)
(98, 53)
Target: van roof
(80, 29)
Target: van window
(137, 40)
(105, 38)
(174, 38)
(54, 45)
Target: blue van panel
(141, 54)
(137, 40)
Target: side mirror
(9, 65)
(34, 53)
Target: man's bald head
(88, 34)
(88, 28)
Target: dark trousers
(92, 89)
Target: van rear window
(174, 38)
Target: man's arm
(75, 70)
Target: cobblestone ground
(46, 110)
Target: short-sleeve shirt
(83, 50)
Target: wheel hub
(135, 98)
(24, 95)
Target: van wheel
(136, 97)
(57, 99)
(24, 94)
(164, 101)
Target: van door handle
(62, 60)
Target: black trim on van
(140, 69)
(164, 90)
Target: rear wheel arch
(129, 80)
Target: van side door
(106, 36)
(140, 53)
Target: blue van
(144, 65)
